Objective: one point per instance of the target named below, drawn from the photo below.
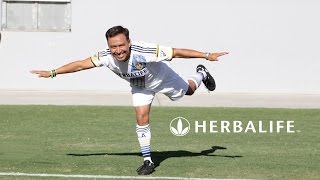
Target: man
(147, 69)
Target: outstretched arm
(68, 68)
(189, 53)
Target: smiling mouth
(122, 56)
(119, 56)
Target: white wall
(274, 45)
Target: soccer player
(145, 66)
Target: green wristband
(53, 73)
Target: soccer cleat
(208, 81)
(146, 169)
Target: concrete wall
(273, 45)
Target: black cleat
(146, 169)
(209, 81)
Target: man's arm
(68, 68)
(189, 53)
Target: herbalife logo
(179, 126)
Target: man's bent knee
(192, 88)
(190, 91)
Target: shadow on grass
(159, 156)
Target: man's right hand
(41, 73)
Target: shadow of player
(159, 156)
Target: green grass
(101, 140)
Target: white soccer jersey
(146, 67)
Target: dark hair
(115, 30)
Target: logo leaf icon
(174, 130)
(185, 130)
(179, 126)
(179, 129)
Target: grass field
(101, 140)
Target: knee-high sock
(197, 78)
(144, 138)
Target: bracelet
(53, 73)
(207, 55)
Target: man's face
(119, 47)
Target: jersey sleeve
(100, 58)
(164, 53)
(153, 52)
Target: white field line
(101, 176)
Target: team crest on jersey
(139, 66)
(138, 62)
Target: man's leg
(144, 138)
(192, 87)
(194, 82)
(143, 130)
(201, 75)
(142, 100)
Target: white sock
(144, 138)
(198, 77)
(147, 158)
(204, 74)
